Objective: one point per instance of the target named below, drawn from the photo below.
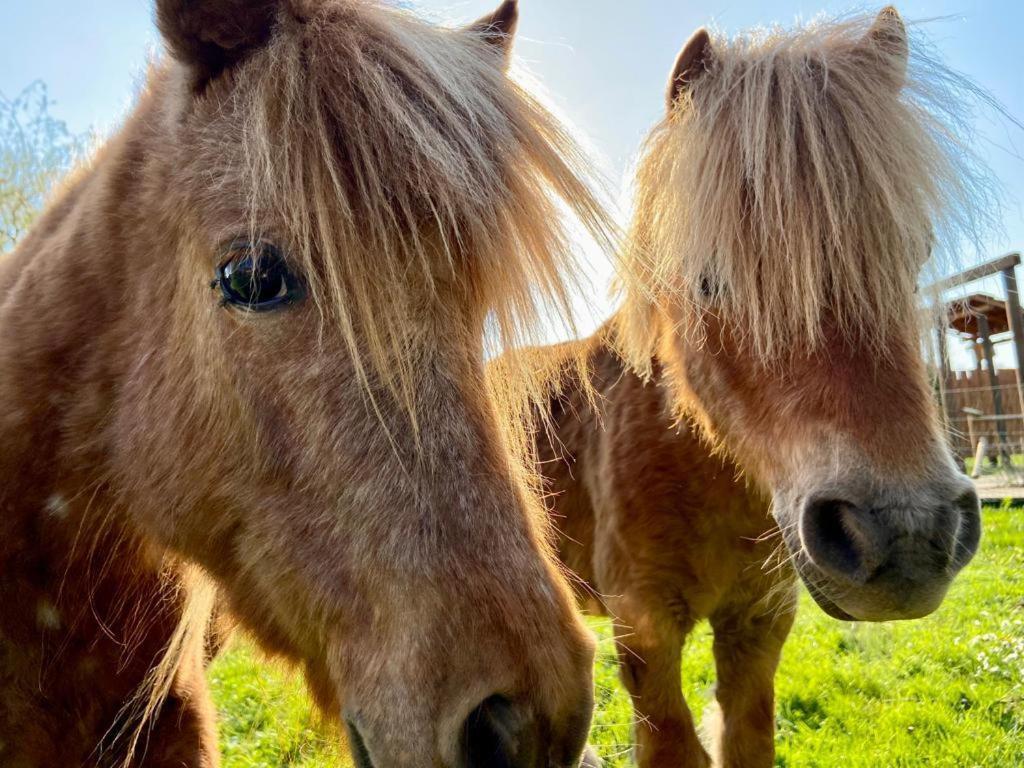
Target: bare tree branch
(36, 150)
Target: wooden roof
(963, 315)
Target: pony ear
(499, 27)
(887, 41)
(209, 36)
(693, 61)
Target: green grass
(266, 719)
(1016, 461)
(946, 691)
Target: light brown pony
(784, 209)
(664, 533)
(364, 191)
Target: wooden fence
(971, 389)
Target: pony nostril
(498, 734)
(360, 754)
(842, 539)
(968, 532)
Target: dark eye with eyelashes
(710, 288)
(255, 276)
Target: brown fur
(770, 280)
(785, 208)
(662, 533)
(336, 465)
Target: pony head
(786, 206)
(313, 216)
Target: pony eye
(709, 288)
(256, 277)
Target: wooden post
(1016, 320)
(979, 457)
(941, 375)
(972, 413)
(985, 336)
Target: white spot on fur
(47, 615)
(57, 506)
(712, 725)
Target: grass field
(944, 692)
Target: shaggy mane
(795, 175)
(412, 179)
(367, 130)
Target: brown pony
(785, 207)
(664, 533)
(365, 193)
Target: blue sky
(604, 63)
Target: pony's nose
(357, 747)
(968, 531)
(499, 734)
(846, 542)
(852, 544)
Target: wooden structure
(977, 319)
(995, 407)
(973, 411)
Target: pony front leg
(664, 729)
(184, 732)
(747, 652)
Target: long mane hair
(806, 169)
(405, 167)
(366, 129)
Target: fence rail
(971, 389)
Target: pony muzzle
(875, 560)
(498, 733)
